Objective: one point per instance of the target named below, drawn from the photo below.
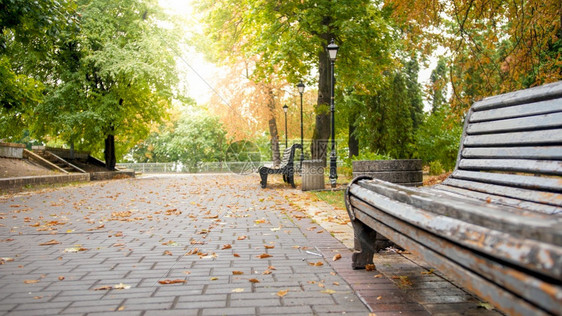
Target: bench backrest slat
(536, 108)
(512, 146)
(288, 155)
(528, 123)
(535, 152)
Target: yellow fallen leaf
(266, 272)
(172, 281)
(30, 281)
(328, 291)
(282, 293)
(238, 290)
(49, 243)
(237, 272)
(121, 286)
(336, 257)
(214, 278)
(430, 271)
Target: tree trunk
(321, 135)
(109, 152)
(352, 142)
(275, 156)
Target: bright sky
(196, 72)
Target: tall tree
(493, 46)
(289, 38)
(115, 77)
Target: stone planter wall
(407, 172)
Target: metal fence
(203, 167)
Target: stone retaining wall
(11, 150)
(13, 183)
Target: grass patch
(334, 198)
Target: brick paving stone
(197, 228)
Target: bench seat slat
(537, 108)
(544, 121)
(552, 199)
(540, 226)
(514, 165)
(515, 181)
(460, 264)
(498, 199)
(528, 138)
(531, 152)
(532, 254)
(535, 94)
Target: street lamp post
(285, 108)
(332, 53)
(300, 86)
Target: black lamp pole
(300, 86)
(285, 108)
(332, 52)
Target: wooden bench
(495, 225)
(286, 168)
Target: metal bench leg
(364, 244)
(263, 176)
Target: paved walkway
(190, 245)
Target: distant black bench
(286, 168)
(495, 225)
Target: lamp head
(332, 50)
(300, 86)
(285, 108)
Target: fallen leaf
(176, 281)
(75, 249)
(430, 271)
(254, 280)
(328, 291)
(370, 267)
(236, 255)
(237, 272)
(264, 255)
(167, 253)
(238, 290)
(266, 272)
(37, 297)
(121, 308)
(271, 268)
(30, 281)
(50, 242)
(282, 293)
(103, 288)
(227, 246)
(336, 257)
(121, 286)
(242, 237)
(61, 278)
(379, 298)
(214, 278)
(378, 276)
(485, 305)
(269, 246)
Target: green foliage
(29, 35)
(114, 77)
(195, 137)
(438, 139)
(365, 154)
(435, 168)
(386, 121)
